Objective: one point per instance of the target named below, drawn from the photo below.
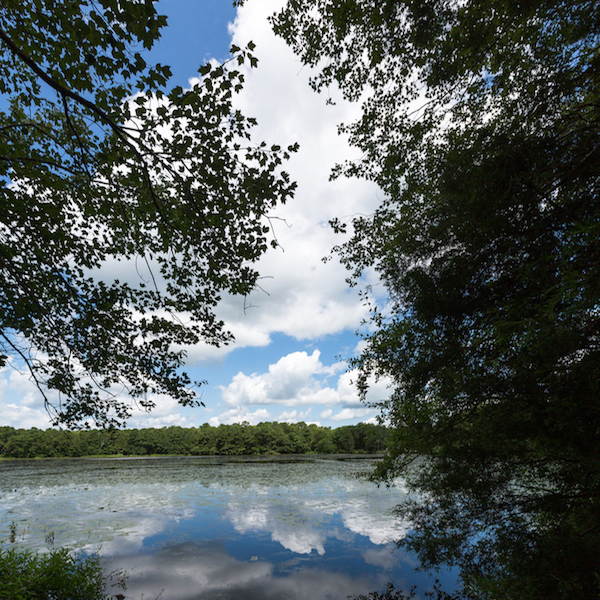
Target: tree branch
(65, 92)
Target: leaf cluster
(480, 122)
(58, 575)
(128, 208)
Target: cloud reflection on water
(193, 571)
(293, 525)
(298, 535)
(203, 529)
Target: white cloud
(246, 334)
(301, 296)
(297, 379)
(239, 415)
(301, 379)
(165, 414)
(352, 413)
(17, 416)
(21, 404)
(294, 416)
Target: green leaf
(478, 124)
(91, 185)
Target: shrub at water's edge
(391, 593)
(59, 575)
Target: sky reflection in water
(201, 528)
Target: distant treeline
(238, 439)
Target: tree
(105, 172)
(480, 122)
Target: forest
(477, 122)
(224, 440)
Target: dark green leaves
(480, 125)
(59, 574)
(101, 165)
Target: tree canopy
(481, 123)
(225, 440)
(128, 208)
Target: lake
(200, 528)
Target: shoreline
(230, 457)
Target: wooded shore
(224, 440)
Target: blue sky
(285, 364)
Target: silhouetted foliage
(481, 124)
(101, 163)
(391, 593)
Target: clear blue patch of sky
(196, 32)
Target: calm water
(207, 528)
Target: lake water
(200, 528)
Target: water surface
(198, 528)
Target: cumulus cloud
(239, 414)
(165, 414)
(300, 295)
(301, 379)
(352, 413)
(294, 416)
(15, 415)
(297, 379)
(21, 404)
